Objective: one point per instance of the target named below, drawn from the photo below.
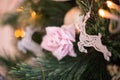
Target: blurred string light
(112, 5)
(33, 14)
(19, 33)
(105, 14)
(28, 15)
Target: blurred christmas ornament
(114, 71)
(91, 40)
(73, 16)
(8, 48)
(19, 33)
(28, 44)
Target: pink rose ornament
(59, 41)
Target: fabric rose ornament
(59, 41)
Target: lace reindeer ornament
(90, 40)
(28, 44)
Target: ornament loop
(116, 30)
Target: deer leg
(21, 47)
(106, 56)
(81, 47)
(104, 50)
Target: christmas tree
(69, 39)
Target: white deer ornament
(91, 40)
(28, 44)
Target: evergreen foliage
(49, 13)
(91, 66)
